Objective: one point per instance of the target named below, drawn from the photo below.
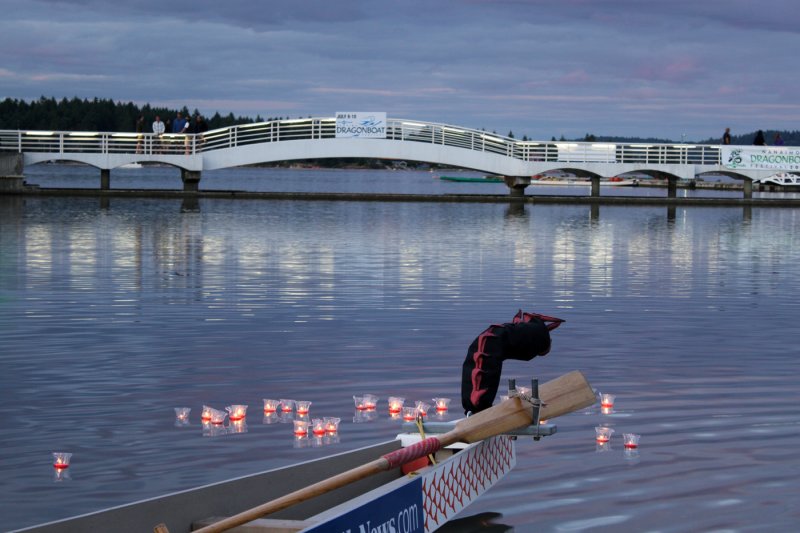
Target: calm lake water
(113, 313)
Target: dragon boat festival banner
(760, 158)
(360, 124)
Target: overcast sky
(537, 68)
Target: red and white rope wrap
(415, 451)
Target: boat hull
(418, 503)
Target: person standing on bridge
(759, 140)
(179, 125)
(726, 137)
(200, 129)
(778, 141)
(158, 131)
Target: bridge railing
(402, 130)
(86, 142)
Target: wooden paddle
(562, 395)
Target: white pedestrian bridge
(409, 140)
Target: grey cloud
(535, 67)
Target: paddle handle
(298, 496)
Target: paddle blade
(565, 394)
(512, 414)
(562, 395)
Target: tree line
(97, 114)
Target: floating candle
(331, 424)
(287, 406)
(302, 407)
(396, 404)
(237, 412)
(206, 414)
(422, 408)
(218, 417)
(301, 428)
(370, 402)
(270, 406)
(603, 433)
(359, 402)
(410, 413)
(607, 400)
(318, 427)
(61, 460)
(442, 404)
(631, 440)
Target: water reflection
(109, 314)
(61, 475)
(196, 256)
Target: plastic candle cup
(218, 417)
(370, 402)
(318, 427)
(301, 428)
(61, 460)
(359, 402)
(422, 408)
(237, 412)
(270, 406)
(603, 433)
(287, 406)
(410, 413)
(607, 400)
(396, 404)
(442, 404)
(302, 407)
(332, 424)
(182, 413)
(206, 414)
(631, 440)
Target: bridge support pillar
(191, 180)
(595, 186)
(105, 179)
(516, 185)
(672, 187)
(11, 167)
(747, 188)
